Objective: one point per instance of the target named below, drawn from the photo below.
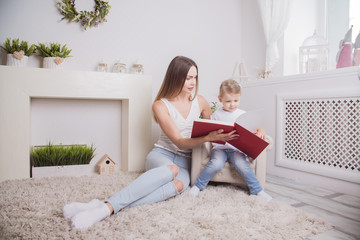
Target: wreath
(86, 18)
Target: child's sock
(88, 218)
(74, 208)
(266, 197)
(194, 191)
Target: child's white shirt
(225, 116)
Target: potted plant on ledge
(53, 53)
(18, 52)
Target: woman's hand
(218, 135)
(260, 133)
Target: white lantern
(240, 72)
(314, 54)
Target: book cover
(202, 127)
(247, 141)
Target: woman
(168, 164)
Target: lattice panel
(323, 132)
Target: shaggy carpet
(32, 209)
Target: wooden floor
(340, 210)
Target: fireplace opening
(77, 121)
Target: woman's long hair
(175, 78)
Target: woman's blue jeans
(155, 184)
(236, 158)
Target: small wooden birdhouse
(106, 165)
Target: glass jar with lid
(119, 67)
(137, 68)
(102, 66)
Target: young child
(229, 96)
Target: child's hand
(260, 133)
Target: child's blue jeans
(155, 184)
(236, 158)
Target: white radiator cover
(319, 132)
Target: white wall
(208, 31)
(153, 32)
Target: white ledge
(350, 71)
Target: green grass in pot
(59, 155)
(53, 50)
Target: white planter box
(12, 61)
(50, 62)
(59, 171)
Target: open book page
(219, 123)
(251, 120)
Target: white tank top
(184, 125)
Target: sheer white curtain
(275, 17)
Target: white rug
(32, 209)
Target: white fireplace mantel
(19, 85)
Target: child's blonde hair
(229, 86)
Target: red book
(247, 142)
